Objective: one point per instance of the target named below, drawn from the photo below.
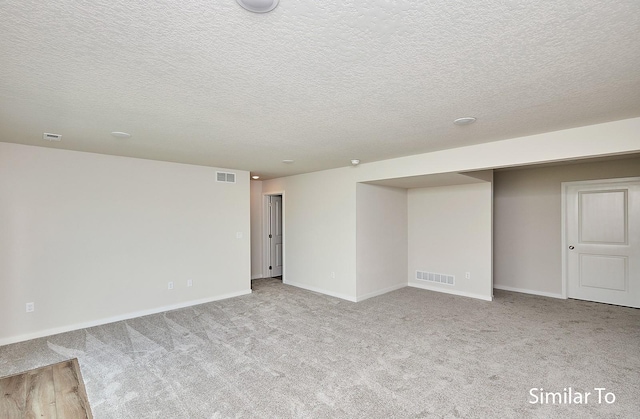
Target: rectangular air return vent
(226, 177)
(437, 278)
(51, 137)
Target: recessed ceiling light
(355, 162)
(465, 120)
(287, 161)
(256, 177)
(258, 6)
(119, 134)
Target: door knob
(571, 247)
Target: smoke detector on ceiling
(259, 6)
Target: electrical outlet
(467, 275)
(170, 285)
(189, 282)
(31, 307)
(333, 275)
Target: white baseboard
(380, 292)
(100, 322)
(451, 291)
(320, 290)
(526, 291)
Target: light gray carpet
(286, 352)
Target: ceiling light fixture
(258, 6)
(256, 177)
(467, 120)
(355, 162)
(287, 161)
(119, 134)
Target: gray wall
(381, 239)
(450, 233)
(319, 221)
(256, 229)
(320, 207)
(92, 239)
(527, 221)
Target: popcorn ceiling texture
(207, 82)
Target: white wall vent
(226, 177)
(51, 137)
(437, 278)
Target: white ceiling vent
(226, 177)
(434, 277)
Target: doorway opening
(273, 236)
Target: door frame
(265, 233)
(565, 186)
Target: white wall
(381, 240)
(319, 220)
(320, 207)
(450, 231)
(256, 229)
(92, 238)
(528, 218)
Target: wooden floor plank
(54, 391)
(41, 402)
(13, 391)
(71, 399)
(82, 391)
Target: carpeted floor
(286, 352)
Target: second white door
(603, 241)
(275, 235)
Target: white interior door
(603, 241)
(275, 235)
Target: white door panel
(606, 272)
(603, 216)
(603, 239)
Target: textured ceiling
(206, 82)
